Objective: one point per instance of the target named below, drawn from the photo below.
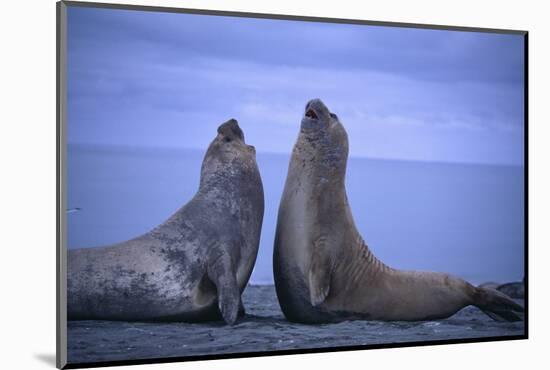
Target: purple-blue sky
(168, 80)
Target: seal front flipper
(242, 310)
(222, 274)
(319, 278)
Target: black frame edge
(288, 17)
(526, 178)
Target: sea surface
(464, 219)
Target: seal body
(323, 269)
(195, 265)
(514, 290)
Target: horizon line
(180, 148)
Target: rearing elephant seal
(192, 267)
(324, 271)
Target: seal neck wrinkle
(361, 265)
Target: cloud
(155, 79)
(427, 54)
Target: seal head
(228, 154)
(322, 142)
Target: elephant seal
(489, 285)
(192, 267)
(324, 271)
(513, 290)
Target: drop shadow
(46, 358)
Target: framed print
(237, 184)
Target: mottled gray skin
(192, 267)
(324, 271)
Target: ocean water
(465, 219)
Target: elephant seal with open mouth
(324, 271)
(195, 265)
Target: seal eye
(227, 139)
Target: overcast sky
(168, 80)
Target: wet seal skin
(194, 266)
(325, 272)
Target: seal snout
(310, 113)
(316, 116)
(315, 109)
(231, 129)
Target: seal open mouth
(310, 113)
